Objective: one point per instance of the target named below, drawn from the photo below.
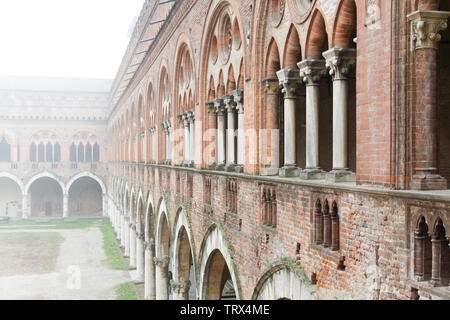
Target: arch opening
(218, 284)
(10, 198)
(85, 198)
(46, 198)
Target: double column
(239, 101)
(290, 82)
(425, 37)
(221, 115)
(341, 62)
(150, 280)
(188, 120)
(230, 106)
(166, 129)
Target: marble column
(122, 230)
(150, 285)
(290, 81)
(65, 206)
(231, 118)
(239, 101)
(192, 138)
(25, 212)
(312, 72)
(425, 37)
(341, 62)
(187, 149)
(162, 282)
(272, 153)
(169, 142)
(127, 237)
(220, 110)
(211, 136)
(132, 245)
(153, 133)
(181, 290)
(140, 258)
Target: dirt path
(81, 254)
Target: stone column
(150, 285)
(220, 110)
(127, 237)
(181, 290)
(122, 230)
(425, 28)
(105, 205)
(192, 138)
(341, 63)
(140, 258)
(25, 212)
(132, 245)
(272, 162)
(162, 282)
(437, 248)
(290, 81)
(231, 118)
(153, 132)
(143, 147)
(239, 101)
(312, 71)
(187, 149)
(211, 146)
(169, 145)
(65, 206)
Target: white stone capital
(425, 28)
(290, 82)
(312, 71)
(341, 62)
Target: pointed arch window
(5, 151)
(33, 150)
(88, 153)
(57, 153)
(41, 152)
(73, 153)
(81, 152)
(96, 152)
(49, 152)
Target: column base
(239, 168)
(139, 281)
(269, 171)
(312, 174)
(289, 172)
(436, 283)
(429, 182)
(191, 164)
(340, 175)
(220, 167)
(230, 167)
(211, 166)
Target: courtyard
(62, 260)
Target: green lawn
(126, 291)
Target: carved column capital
(271, 86)
(239, 100)
(312, 71)
(341, 62)
(191, 115)
(210, 107)
(182, 287)
(425, 28)
(162, 262)
(229, 103)
(290, 82)
(220, 106)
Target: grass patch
(126, 291)
(113, 254)
(29, 253)
(67, 223)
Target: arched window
(49, 152)
(5, 151)
(73, 153)
(80, 152)
(57, 153)
(88, 152)
(33, 149)
(41, 152)
(96, 152)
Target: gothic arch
(317, 36)
(162, 214)
(213, 243)
(182, 238)
(89, 175)
(15, 179)
(344, 24)
(45, 175)
(282, 282)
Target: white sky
(65, 38)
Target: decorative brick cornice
(425, 28)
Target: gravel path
(81, 254)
